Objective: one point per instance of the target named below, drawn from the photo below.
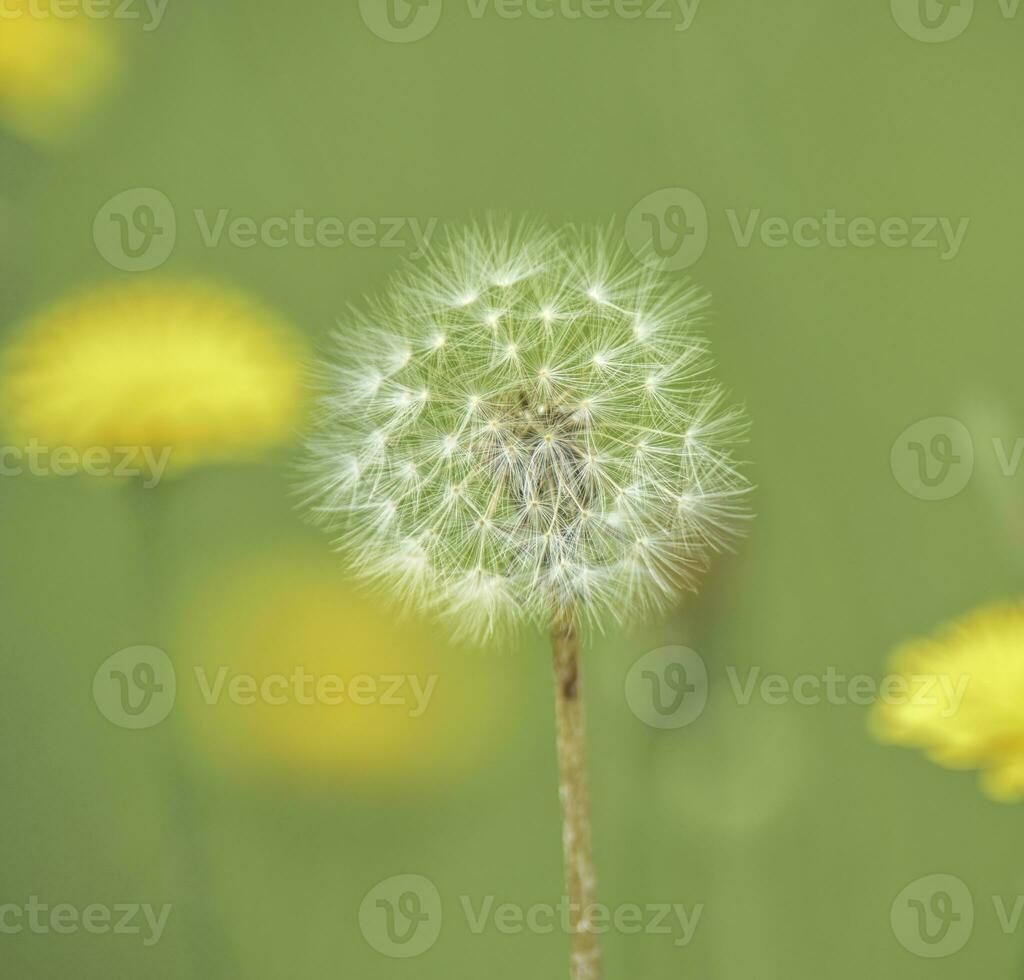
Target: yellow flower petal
(967, 707)
(51, 67)
(318, 682)
(196, 368)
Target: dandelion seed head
(549, 464)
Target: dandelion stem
(576, 833)
(187, 850)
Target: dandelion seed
(528, 429)
(546, 509)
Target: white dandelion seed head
(525, 427)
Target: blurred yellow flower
(964, 700)
(285, 670)
(54, 63)
(200, 370)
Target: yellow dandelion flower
(202, 372)
(961, 698)
(285, 670)
(54, 63)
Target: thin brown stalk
(576, 827)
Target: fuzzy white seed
(487, 444)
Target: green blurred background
(792, 829)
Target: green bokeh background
(788, 824)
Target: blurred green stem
(581, 881)
(205, 936)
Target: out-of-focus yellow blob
(202, 371)
(965, 698)
(54, 63)
(285, 671)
